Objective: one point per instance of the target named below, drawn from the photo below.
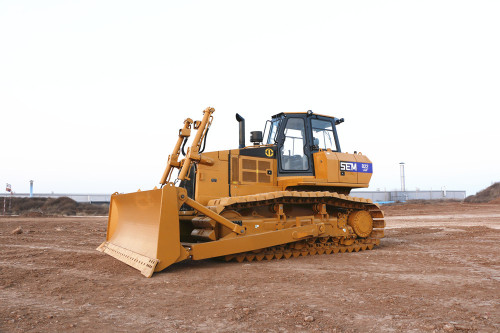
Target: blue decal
(365, 167)
(356, 167)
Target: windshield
(270, 132)
(323, 134)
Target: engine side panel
(342, 168)
(254, 170)
(212, 180)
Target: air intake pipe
(241, 120)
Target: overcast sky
(92, 93)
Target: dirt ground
(438, 269)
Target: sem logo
(348, 166)
(269, 152)
(356, 167)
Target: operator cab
(299, 135)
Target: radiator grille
(235, 176)
(249, 176)
(255, 170)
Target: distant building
(393, 196)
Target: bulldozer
(285, 195)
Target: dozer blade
(143, 229)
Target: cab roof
(279, 115)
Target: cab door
(294, 147)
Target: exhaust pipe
(241, 120)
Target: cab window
(323, 134)
(292, 152)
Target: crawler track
(331, 198)
(295, 203)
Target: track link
(297, 249)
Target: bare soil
(437, 270)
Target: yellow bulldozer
(286, 195)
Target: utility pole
(8, 188)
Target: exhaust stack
(241, 120)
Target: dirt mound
(489, 194)
(495, 201)
(32, 214)
(53, 206)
